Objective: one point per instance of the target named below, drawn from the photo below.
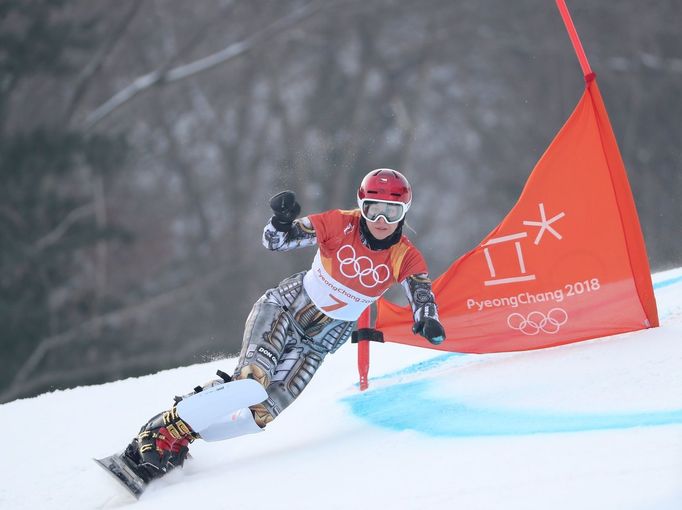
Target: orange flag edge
(639, 262)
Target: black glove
(430, 329)
(286, 210)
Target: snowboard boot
(161, 446)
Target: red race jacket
(346, 276)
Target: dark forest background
(140, 141)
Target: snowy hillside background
(140, 142)
(593, 425)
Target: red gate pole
(575, 39)
(363, 349)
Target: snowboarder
(294, 325)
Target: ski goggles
(372, 210)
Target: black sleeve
(420, 295)
(300, 235)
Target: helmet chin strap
(380, 244)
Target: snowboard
(204, 412)
(117, 467)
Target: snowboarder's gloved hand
(286, 210)
(430, 329)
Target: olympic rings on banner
(538, 321)
(361, 267)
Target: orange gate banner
(568, 263)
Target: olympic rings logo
(361, 267)
(538, 321)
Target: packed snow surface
(592, 425)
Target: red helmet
(386, 185)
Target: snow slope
(593, 425)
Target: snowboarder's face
(380, 229)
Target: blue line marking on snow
(414, 406)
(666, 283)
(422, 366)
(410, 406)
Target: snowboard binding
(218, 410)
(160, 446)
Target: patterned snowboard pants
(286, 339)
